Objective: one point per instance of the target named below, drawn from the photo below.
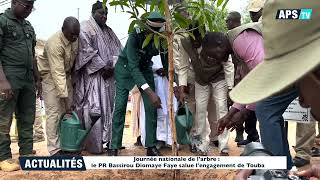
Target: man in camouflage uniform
(18, 80)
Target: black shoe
(222, 153)
(203, 153)
(315, 152)
(193, 148)
(153, 151)
(239, 137)
(160, 145)
(59, 153)
(67, 153)
(245, 142)
(214, 143)
(138, 143)
(299, 162)
(113, 152)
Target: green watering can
(183, 124)
(71, 133)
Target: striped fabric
(94, 96)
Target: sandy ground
(134, 174)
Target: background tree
(245, 13)
(246, 17)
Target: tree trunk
(176, 173)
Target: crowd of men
(84, 68)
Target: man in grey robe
(94, 89)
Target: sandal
(224, 153)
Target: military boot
(9, 165)
(239, 136)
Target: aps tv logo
(298, 14)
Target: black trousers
(250, 127)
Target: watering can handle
(74, 114)
(60, 120)
(186, 109)
(188, 114)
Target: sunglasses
(26, 6)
